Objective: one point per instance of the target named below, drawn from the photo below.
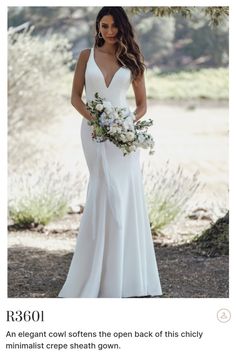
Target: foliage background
(171, 42)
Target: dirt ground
(39, 261)
(37, 273)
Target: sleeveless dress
(114, 255)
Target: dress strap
(91, 55)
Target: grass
(37, 197)
(208, 84)
(168, 193)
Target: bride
(114, 255)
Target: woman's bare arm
(78, 85)
(140, 97)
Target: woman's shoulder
(85, 53)
(84, 56)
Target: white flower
(111, 116)
(130, 136)
(122, 137)
(126, 111)
(99, 107)
(107, 104)
(114, 129)
(130, 118)
(129, 123)
(131, 127)
(126, 125)
(132, 148)
(108, 107)
(108, 110)
(145, 145)
(141, 138)
(103, 120)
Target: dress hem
(140, 296)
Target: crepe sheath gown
(114, 255)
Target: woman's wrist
(138, 113)
(135, 115)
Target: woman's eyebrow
(105, 23)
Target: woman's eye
(105, 26)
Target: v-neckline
(102, 72)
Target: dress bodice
(95, 82)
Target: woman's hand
(91, 117)
(135, 117)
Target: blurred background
(186, 180)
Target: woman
(114, 255)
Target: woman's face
(108, 29)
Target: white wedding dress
(114, 255)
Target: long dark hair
(128, 53)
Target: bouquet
(117, 125)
